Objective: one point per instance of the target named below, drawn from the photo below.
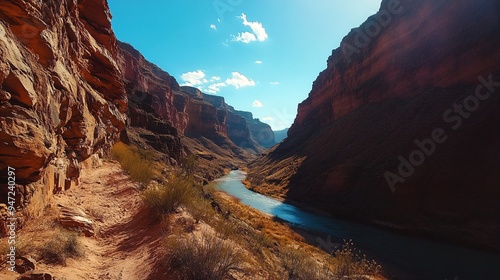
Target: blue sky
(262, 56)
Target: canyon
(70, 90)
(399, 131)
(355, 148)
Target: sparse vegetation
(22, 248)
(185, 209)
(300, 266)
(206, 257)
(179, 190)
(348, 262)
(62, 245)
(189, 164)
(138, 163)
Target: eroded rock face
(62, 98)
(241, 127)
(159, 104)
(378, 98)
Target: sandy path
(127, 244)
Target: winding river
(407, 257)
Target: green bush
(138, 163)
(205, 258)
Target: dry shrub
(62, 245)
(22, 248)
(138, 163)
(349, 263)
(208, 257)
(300, 266)
(179, 191)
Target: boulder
(25, 264)
(36, 275)
(75, 219)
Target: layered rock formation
(160, 105)
(242, 128)
(68, 92)
(61, 93)
(152, 103)
(402, 126)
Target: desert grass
(179, 190)
(138, 163)
(241, 240)
(207, 257)
(61, 246)
(351, 262)
(301, 266)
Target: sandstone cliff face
(155, 97)
(61, 93)
(221, 118)
(381, 94)
(153, 106)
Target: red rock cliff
(417, 70)
(156, 97)
(61, 93)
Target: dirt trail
(127, 244)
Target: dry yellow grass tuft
(60, 246)
(208, 257)
(138, 163)
(179, 190)
(348, 262)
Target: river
(408, 257)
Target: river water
(408, 257)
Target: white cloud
(258, 62)
(214, 88)
(267, 119)
(274, 83)
(256, 27)
(239, 81)
(259, 32)
(245, 37)
(214, 84)
(193, 78)
(218, 19)
(257, 104)
(213, 26)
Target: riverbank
(470, 236)
(414, 255)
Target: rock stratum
(401, 129)
(69, 90)
(179, 120)
(62, 97)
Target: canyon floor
(127, 241)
